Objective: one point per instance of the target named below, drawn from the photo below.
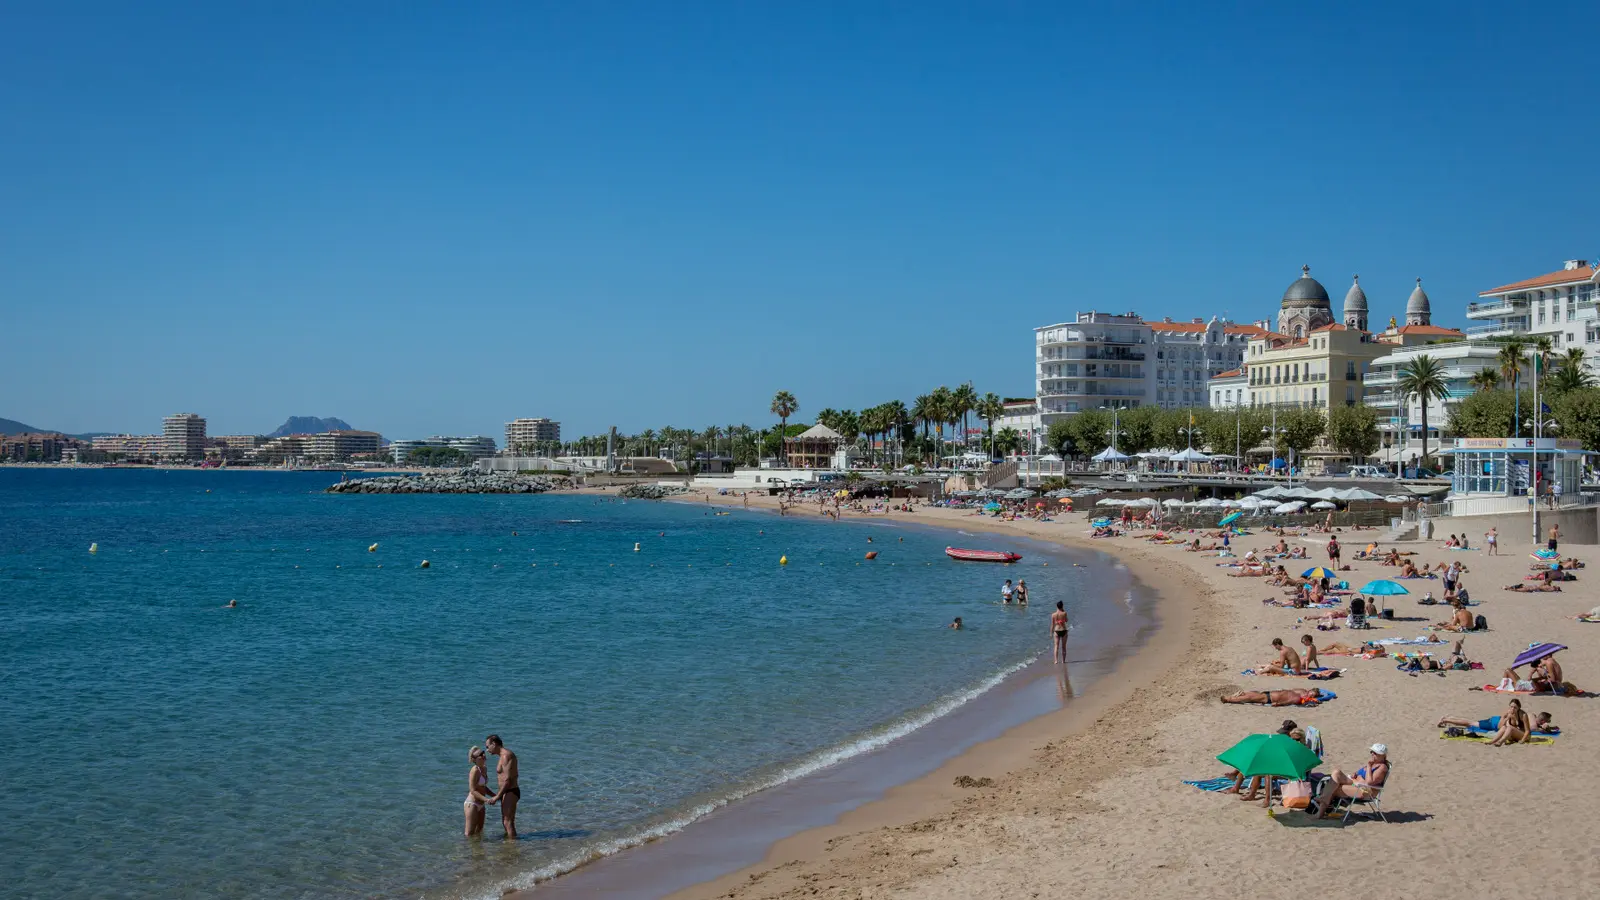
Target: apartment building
(1560, 304)
(131, 446)
(184, 435)
(527, 434)
(1400, 418)
(340, 445)
(476, 446)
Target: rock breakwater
(651, 491)
(462, 481)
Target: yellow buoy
(94, 548)
(373, 549)
(783, 560)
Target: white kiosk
(1504, 475)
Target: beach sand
(1090, 800)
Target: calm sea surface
(313, 742)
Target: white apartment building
(1230, 389)
(131, 446)
(1120, 360)
(1561, 304)
(337, 445)
(1022, 415)
(1401, 423)
(184, 436)
(476, 446)
(528, 433)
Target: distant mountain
(310, 425)
(12, 426)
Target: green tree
(1510, 358)
(989, 408)
(783, 406)
(1578, 413)
(848, 425)
(1488, 414)
(1138, 428)
(963, 400)
(1007, 441)
(1354, 430)
(1424, 379)
(1485, 379)
(1299, 428)
(1570, 373)
(1062, 437)
(1090, 431)
(943, 413)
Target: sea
(648, 662)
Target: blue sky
(431, 220)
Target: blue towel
(1212, 784)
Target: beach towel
(1314, 739)
(1539, 740)
(1410, 641)
(1212, 784)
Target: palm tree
(963, 400)
(783, 406)
(1425, 378)
(828, 416)
(943, 405)
(1568, 378)
(991, 407)
(1510, 360)
(923, 410)
(1486, 380)
(896, 417)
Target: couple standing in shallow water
(508, 795)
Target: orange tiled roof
(1177, 326)
(1231, 373)
(1333, 327)
(1246, 329)
(1565, 276)
(1429, 329)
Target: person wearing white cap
(1363, 786)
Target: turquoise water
(313, 741)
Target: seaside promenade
(1090, 801)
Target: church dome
(1418, 304)
(1356, 298)
(1306, 291)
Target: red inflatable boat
(981, 555)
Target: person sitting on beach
(1546, 674)
(1511, 718)
(1287, 697)
(1460, 620)
(1407, 570)
(1298, 553)
(1287, 663)
(1451, 542)
(1311, 652)
(1363, 786)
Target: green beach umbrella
(1270, 754)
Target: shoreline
(907, 799)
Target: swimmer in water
(1022, 593)
(956, 624)
(234, 604)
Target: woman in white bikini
(477, 791)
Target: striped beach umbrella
(1318, 572)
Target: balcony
(1497, 329)
(1488, 309)
(1115, 355)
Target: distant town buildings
(132, 447)
(331, 446)
(1560, 305)
(526, 435)
(184, 436)
(35, 446)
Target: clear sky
(432, 218)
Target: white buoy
(425, 564)
(95, 548)
(636, 547)
(373, 549)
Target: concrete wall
(1579, 525)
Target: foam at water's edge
(805, 766)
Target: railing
(1490, 307)
(1498, 328)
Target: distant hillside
(310, 425)
(12, 426)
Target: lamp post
(1272, 433)
(1116, 428)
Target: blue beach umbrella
(1383, 588)
(1319, 572)
(1230, 518)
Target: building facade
(476, 446)
(341, 445)
(184, 435)
(35, 446)
(131, 446)
(526, 434)
(1022, 416)
(818, 447)
(1560, 305)
(1400, 418)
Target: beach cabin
(1498, 475)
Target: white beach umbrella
(1291, 506)
(1349, 494)
(1111, 501)
(1209, 503)
(1324, 504)
(1273, 493)
(1174, 501)
(1324, 494)
(1398, 498)
(1232, 503)
(1252, 502)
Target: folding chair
(1373, 805)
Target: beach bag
(1296, 795)
(1480, 624)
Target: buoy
(783, 560)
(636, 547)
(425, 564)
(373, 549)
(872, 554)
(94, 548)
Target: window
(1349, 396)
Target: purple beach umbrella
(1535, 653)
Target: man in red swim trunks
(509, 794)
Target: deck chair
(1372, 807)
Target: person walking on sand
(477, 791)
(1333, 550)
(509, 793)
(1058, 631)
(1555, 537)
(1492, 539)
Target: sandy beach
(1091, 799)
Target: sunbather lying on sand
(1368, 649)
(1507, 726)
(1288, 697)
(1539, 588)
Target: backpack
(1480, 624)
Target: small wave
(805, 766)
